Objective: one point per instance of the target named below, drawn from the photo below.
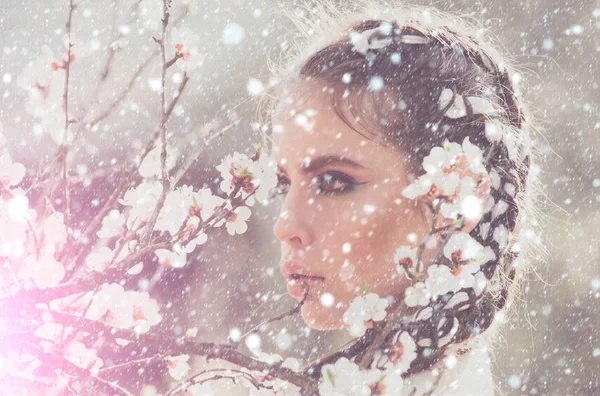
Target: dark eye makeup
(330, 183)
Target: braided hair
(420, 57)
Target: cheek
(372, 255)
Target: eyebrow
(322, 161)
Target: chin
(318, 317)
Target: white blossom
(146, 312)
(151, 165)
(77, 353)
(11, 173)
(253, 176)
(408, 353)
(116, 307)
(178, 366)
(237, 169)
(111, 306)
(99, 259)
(235, 220)
(175, 258)
(462, 247)
(54, 231)
(185, 42)
(441, 158)
(199, 240)
(265, 176)
(445, 168)
(111, 224)
(142, 200)
(405, 256)
(387, 382)
(343, 378)
(175, 210)
(440, 280)
(416, 295)
(204, 203)
(44, 78)
(45, 270)
(363, 309)
(474, 156)
(401, 353)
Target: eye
(282, 187)
(334, 183)
(328, 183)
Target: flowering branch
(67, 67)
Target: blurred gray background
(552, 344)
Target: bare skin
(341, 233)
(340, 221)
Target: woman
(403, 157)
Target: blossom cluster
(454, 183)
(271, 384)
(457, 174)
(466, 255)
(345, 378)
(35, 247)
(362, 310)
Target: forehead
(306, 126)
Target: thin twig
(188, 164)
(193, 380)
(57, 361)
(294, 310)
(65, 143)
(124, 92)
(138, 362)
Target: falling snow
(224, 283)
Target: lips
(300, 281)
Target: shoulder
(465, 370)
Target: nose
(292, 226)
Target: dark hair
(416, 65)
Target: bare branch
(65, 143)
(53, 360)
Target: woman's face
(342, 213)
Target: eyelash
(350, 183)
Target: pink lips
(299, 281)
